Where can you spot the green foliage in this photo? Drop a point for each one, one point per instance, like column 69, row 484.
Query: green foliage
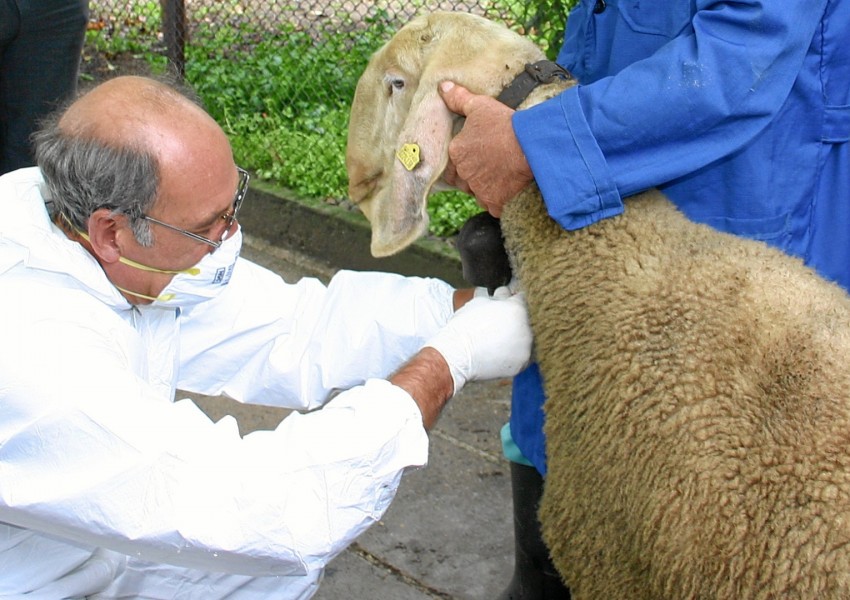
column 284, row 99
column 542, row 20
column 448, row 211
column 135, row 33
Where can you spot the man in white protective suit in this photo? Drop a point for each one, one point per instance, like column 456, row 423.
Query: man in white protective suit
column 120, row 282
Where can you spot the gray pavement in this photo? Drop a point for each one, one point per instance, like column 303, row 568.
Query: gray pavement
column 449, row 532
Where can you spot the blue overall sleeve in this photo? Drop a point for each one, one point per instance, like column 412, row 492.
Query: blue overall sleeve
column 711, row 85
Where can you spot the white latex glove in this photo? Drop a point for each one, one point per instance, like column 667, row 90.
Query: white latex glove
column 500, row 293
column 487, row 338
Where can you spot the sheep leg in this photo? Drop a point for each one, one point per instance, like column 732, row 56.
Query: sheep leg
column 482, row 252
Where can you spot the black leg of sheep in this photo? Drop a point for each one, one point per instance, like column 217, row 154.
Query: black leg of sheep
column 535, row 577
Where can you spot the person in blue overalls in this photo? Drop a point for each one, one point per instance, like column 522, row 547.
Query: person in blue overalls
column 738, row 111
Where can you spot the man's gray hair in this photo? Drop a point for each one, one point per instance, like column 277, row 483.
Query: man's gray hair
column 85, row 174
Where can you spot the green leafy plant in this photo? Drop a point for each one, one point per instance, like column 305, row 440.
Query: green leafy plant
column 542, row 20
column 135, row 33
column 280, row 125
column 448, row 212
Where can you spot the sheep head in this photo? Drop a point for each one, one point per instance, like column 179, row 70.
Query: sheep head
column 399, row 129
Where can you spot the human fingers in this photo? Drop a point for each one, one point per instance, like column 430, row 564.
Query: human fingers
column 488, row 338
column 456, row 97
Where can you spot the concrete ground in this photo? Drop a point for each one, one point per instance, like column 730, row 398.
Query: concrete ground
column 449, row 532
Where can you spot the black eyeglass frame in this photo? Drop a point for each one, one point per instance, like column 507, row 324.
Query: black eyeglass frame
column 230, row 218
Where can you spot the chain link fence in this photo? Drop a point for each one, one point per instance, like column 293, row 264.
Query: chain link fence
column 173, row 25
column 278, row 75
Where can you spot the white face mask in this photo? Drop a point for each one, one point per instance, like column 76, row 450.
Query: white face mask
column 190, row 286
column 198, row 284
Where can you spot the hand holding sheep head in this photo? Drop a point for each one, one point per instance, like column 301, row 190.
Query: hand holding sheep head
column 485, row 158
column 397, row 107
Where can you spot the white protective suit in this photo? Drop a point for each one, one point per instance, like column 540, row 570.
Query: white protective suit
column 109, row 488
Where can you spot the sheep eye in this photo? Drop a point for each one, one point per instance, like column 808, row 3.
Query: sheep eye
column 396, row 85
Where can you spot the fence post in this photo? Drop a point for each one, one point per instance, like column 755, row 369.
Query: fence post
column 174, row 34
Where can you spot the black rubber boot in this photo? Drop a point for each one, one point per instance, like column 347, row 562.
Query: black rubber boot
column 535, row 578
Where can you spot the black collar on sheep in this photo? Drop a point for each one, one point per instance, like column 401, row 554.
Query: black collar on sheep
column 534, row 74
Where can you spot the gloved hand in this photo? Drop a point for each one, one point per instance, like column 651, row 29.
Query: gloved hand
column 487, row 338
column 500, row 293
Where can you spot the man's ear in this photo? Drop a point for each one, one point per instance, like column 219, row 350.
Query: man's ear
column 104, row 229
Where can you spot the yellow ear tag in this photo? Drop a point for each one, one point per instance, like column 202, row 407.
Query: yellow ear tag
column 409, row 156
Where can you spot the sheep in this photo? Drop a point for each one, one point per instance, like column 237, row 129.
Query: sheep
column 698, row 384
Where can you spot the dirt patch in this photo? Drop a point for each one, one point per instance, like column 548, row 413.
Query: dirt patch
column 97, row 67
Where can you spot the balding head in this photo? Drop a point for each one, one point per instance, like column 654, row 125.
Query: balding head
column 136, row 112
column 124, row 142
column 115, row 110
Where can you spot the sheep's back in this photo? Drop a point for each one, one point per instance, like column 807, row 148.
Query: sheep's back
column 697, row 413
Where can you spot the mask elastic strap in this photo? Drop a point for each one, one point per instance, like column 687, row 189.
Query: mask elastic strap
column 132, row 263
column 163, row 298
column 140, row 266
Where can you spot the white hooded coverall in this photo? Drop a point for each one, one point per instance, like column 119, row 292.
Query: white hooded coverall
column 111, row 489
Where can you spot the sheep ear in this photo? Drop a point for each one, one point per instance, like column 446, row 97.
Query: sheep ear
column 421, row 155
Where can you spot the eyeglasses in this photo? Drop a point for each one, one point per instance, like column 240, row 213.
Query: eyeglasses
column 229, row 218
